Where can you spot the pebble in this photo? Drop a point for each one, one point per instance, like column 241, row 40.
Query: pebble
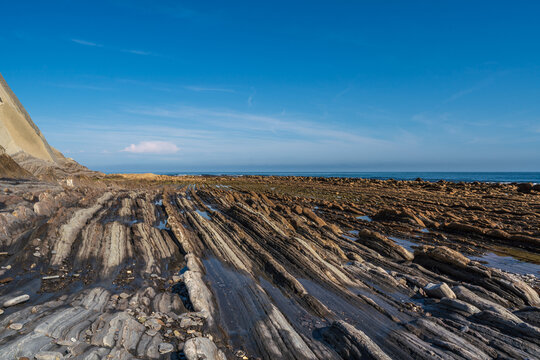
column 37, row 254
column 16, row 326
column 240, row 353
column 165, row 348
column 16, row 300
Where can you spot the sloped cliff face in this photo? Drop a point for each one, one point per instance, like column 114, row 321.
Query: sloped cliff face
column 18, row 133
column 26, row 146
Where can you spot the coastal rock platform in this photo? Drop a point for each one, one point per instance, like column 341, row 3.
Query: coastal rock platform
column 252, row 267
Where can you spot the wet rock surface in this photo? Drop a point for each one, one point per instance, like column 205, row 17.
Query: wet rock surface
column 156, row 267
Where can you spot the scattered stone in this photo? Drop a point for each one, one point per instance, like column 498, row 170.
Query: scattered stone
column 16, row 326
column 50, row 277
column 153, row 323
column 16, row 300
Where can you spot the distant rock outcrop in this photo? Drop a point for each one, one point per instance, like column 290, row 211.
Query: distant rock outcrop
column 25, row 145
column 9, row 168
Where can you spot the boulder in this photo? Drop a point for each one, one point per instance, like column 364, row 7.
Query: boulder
column 49, row 355
column 202, row 348
column 165, row 348
column 439, row 291
column 524, row 188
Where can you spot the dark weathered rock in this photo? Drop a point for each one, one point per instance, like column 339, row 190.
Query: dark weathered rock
column 352, row 343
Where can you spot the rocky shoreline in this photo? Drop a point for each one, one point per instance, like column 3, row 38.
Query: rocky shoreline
column 215, row 267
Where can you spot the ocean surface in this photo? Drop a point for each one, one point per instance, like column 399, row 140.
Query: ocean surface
column 498, row 177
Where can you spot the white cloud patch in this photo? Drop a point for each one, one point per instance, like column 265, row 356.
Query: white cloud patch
column 152, row 147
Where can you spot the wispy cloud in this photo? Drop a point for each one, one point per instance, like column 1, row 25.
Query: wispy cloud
column 129, row 51
column 82, row 87
column 139, row 52
column 152, row 147
column 460, row 94
column 250, row 98
column 262, row 124
column 482, row 84
column 204, row 88
column 86, row 43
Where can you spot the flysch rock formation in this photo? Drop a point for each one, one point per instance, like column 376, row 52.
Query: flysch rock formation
column 249, row 268
column 25, row 144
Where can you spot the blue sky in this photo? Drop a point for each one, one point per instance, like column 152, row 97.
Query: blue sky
column 298, row 86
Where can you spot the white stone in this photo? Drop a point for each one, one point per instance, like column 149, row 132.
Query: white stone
column 16, row 300
column 16, row 326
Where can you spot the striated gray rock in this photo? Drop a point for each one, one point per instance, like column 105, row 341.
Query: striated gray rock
column 459, row 305
column 378, row 242
column 508, row 323
column 352, row 343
